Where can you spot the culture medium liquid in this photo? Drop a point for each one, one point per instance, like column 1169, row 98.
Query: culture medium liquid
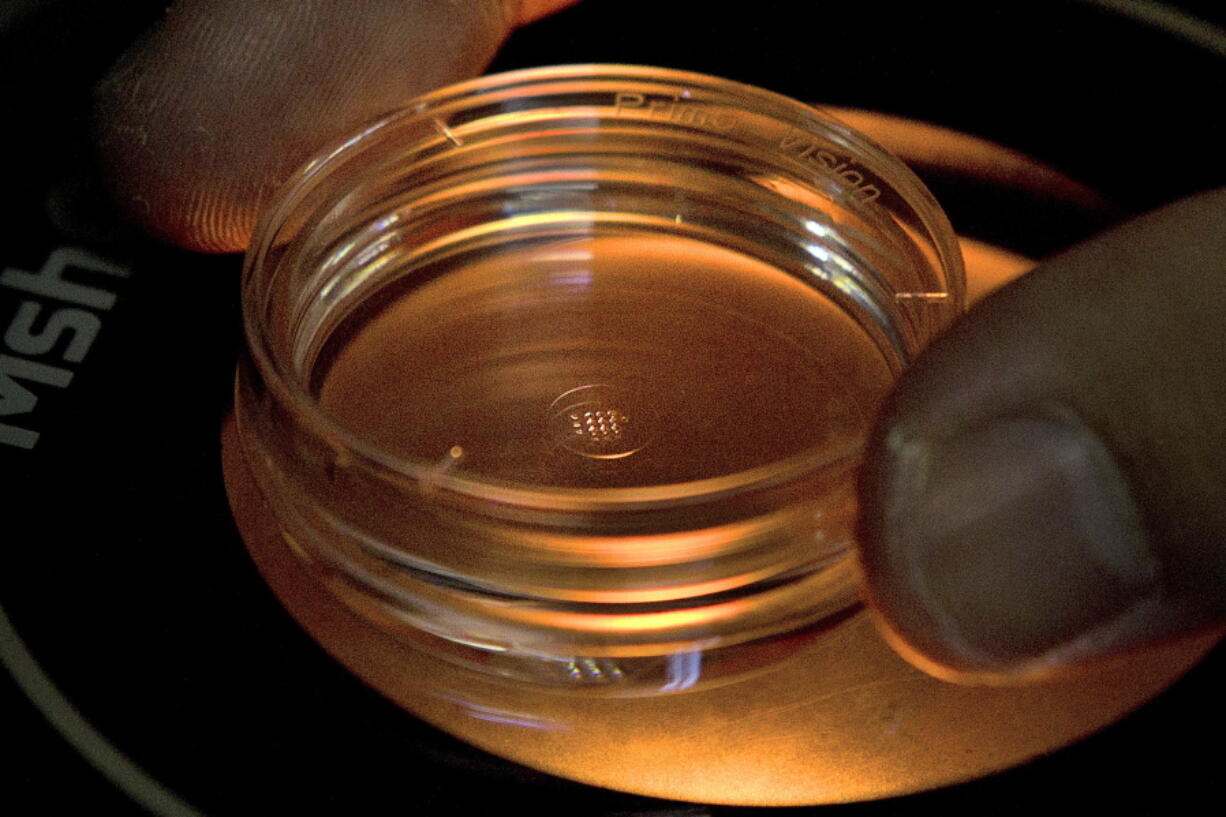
column 605, row 361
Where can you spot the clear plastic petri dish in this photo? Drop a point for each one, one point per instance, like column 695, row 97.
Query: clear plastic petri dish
column 562, row 376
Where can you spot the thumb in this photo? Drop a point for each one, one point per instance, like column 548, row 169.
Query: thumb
column 1047, row 486
column 205, row 117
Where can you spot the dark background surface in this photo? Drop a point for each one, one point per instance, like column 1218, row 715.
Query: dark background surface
column 121, row 570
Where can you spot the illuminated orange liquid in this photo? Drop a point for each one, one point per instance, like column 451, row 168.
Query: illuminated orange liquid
column 603, row 362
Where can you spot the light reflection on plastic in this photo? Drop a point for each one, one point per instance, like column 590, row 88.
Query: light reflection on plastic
column 579, row 258
column 593, row 669
column 684, row 670
column 493, row 715
column 577, row 279
column 817, row 228
column 697, row 617
column 659, row 549
column 689, row 591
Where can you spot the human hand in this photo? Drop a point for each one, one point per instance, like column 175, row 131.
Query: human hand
column 1048, row 484
column 202, row 119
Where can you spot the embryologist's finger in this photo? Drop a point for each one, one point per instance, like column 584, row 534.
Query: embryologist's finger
column 202, row 119
column 1048, row 485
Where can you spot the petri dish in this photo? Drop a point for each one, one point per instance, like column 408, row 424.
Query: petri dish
column 564, row 373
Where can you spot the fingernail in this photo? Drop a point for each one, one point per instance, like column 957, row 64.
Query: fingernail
column 1019, row 541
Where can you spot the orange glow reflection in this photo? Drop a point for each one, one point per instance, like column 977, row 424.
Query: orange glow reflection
column 657, row 549
column 698, row 617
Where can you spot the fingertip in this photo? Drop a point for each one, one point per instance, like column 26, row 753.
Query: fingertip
column 1009, row 550
column 201, row 121
column 1037, row 497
